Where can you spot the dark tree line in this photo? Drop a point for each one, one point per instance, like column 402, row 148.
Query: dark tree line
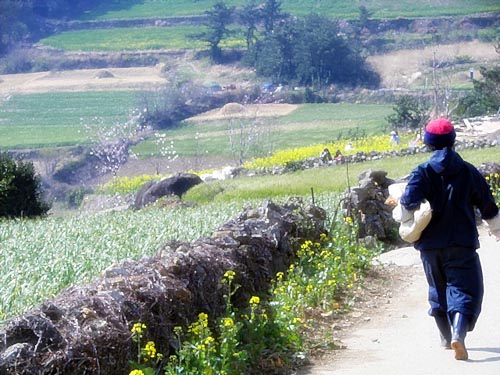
column 311, row 50
column 25, row 20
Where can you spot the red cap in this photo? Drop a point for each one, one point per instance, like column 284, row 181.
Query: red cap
column 440, row 133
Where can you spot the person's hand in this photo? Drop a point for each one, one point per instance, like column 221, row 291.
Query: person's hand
column 494, row 226
column 496, row 235
column 392, row 202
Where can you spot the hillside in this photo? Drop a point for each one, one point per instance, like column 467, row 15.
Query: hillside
column 102, row 65
column 398, row 70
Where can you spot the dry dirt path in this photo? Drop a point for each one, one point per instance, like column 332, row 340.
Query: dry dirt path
column 400, row 338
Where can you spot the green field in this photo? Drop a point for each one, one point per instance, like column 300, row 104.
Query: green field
column 76, row 250
column 334, row 8
column 321, row 180
column 177, row 37
column 309, row 124
column 134, row 39
column 56, row 119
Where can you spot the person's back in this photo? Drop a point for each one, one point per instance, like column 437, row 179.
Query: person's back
column 454, row 189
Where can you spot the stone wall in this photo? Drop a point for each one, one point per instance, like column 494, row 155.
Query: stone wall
column 86, row 329
column 366, row 203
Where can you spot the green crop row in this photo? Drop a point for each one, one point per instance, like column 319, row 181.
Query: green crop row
column 40, row 257
column 132, row 39
column 55, row 119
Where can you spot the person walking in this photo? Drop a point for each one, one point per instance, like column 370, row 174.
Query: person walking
column 455, row 189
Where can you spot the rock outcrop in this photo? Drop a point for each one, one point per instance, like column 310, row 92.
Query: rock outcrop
column 177, row 185
column 366, row 203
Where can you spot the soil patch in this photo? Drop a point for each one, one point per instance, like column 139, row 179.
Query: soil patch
column 82, row 80
column 401, row 68
column 235, row 110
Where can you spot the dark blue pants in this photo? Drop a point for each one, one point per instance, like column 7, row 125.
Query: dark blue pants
column 455, row 281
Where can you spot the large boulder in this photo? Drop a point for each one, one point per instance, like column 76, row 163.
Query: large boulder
column 177, row 185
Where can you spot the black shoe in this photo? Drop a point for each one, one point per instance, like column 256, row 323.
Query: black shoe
column 460, row 329
column 443, row 325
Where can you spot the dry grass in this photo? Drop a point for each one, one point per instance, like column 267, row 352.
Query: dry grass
column 399, row 69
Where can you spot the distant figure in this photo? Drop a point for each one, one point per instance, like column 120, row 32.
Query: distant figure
column 325, row 156
column 414, row 143
column 394, row 138
column 338, row 158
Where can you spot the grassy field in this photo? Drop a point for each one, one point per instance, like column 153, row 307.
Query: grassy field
column 55, row 119
column 132, row 39
column 309, row 124
column 334, row 8
column 177, row 37
column 333, row 179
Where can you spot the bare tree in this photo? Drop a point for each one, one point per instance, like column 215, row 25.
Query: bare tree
column 442, row 94
column 110, row 143
column 249, row 137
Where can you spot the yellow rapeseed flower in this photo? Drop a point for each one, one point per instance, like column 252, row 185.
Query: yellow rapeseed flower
column 229, row 275
column 136, row 372
column 203, row 317
column 195, row 329
column 138, row 328
column 150, row 349
column 254, row 300
column 228, row 322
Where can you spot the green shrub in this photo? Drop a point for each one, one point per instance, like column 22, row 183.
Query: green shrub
column 75, row 197
column 20, row 189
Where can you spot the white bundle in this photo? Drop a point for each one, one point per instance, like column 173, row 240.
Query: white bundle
column 412, row 223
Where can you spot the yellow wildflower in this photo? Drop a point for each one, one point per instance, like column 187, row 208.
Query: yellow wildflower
column 254, row 300
column 150, row 349
column 138, row 328
column 228, row 322
column 203, row 319
column 229, row 275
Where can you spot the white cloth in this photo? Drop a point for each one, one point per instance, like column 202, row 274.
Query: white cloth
column 494, row 225
column 412, row 223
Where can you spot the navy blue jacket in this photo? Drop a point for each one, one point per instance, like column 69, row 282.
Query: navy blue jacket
column 454, row 188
